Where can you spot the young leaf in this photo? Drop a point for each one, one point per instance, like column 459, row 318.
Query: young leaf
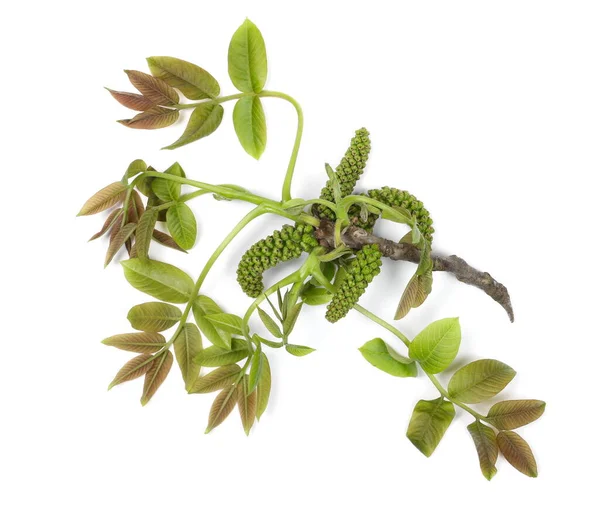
column 133, row 369
column 145, row 229
column 437, row 345
column 263, row 389
column 226, row 322
column 135, row 167
column 265, row 341
column 378, row 354
column 104, row 199
column 158, row 279
column 112, row 218
column 153, row 316
column 155, row 376
column 202, row 307
column 412, row 297
column 270, row 324
column 118, row 240
column 247, row 58
column 222, row 407
column 166, row 240
column 298, row 350
column 247, row 405
column 512, row 414
column 188, row 345
column 157, row 91
column 136, row 342
column 480, row 380
column 255, row 370
column 217, row 379
column 314, row 296
column 484, row 438
column 168, row 190
column 291, row 318
column 428, row 424
column 205, row 120
column 250, row 125
column 181, row 223
column 516, row 451
column 216, row 357
column 132, row 101
column 154, row 118
column 193, row 81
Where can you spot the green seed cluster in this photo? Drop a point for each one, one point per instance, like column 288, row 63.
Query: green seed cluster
column 361, row 272
column 348, row 171
column 285, row 244
column 395, row 197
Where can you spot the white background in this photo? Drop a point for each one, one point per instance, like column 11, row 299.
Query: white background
column 487, row 111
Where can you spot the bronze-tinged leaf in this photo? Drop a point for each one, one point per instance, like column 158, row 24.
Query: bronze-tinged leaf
column 222, row 407
column 156, row 375
column 128, row 246
column 193, row 81
column 121, row 236
column 144, row 232
column 153, row 316
column 414, row 295
column 136, row 342
column 104, row 199
column 157, row 91
column 112, row 218
column 133, row 251
column 138, row 203
column 154, row 118
column 133, row 369
column 512, row 414
column 263, row 389
column 132, row 101
column 246, row 405
column 516, row 451
column 166, row 240
column 218, row 379
column 187, row 346
column 484, row 438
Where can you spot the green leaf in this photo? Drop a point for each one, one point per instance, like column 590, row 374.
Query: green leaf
column 154, row 118
column 291, row 318
column 181, row 223
column 298, row 350
column 156, row 375
column 516, row 451
column 222, row 407
column 145, row 229
column 274, row 345
column 512, row 414
column 250, row 125
column 216, row 357
column 193, row 81
column 479, row 381
column 333, row 183
column 314, row 296
column 168, row 190
column 202, row 307
column 263, row 389
column 104, row 199
column 157, row 91
column 255, row 370
column 153, row 316
column 217, row 379
column 428, row 424
column 133, row 369
column 205, row 120
column 188, row 344
column 484, row 438
column 135, row 167
column 246, row 404
column 158, row 279
column 377, row 352
column 247, row 58
column 437, row 345
column 270, row 324
column 116, row 242
column 226, row 322
column 136, row 342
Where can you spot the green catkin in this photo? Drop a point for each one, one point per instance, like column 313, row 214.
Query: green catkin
column 395, row 197
column 348, row 171
column 285, row 244
column 359, row 274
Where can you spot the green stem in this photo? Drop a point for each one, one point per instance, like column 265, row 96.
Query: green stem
column 394, row 213
column 383, row 324
column 182, row 198
column 217, row 100
column 287, row 182
column 445, row 394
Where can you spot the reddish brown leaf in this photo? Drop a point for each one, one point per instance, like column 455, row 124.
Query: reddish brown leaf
column 154, row 118
column 516, row 451
column 157, row 91
column 136, row 342
column 132, row 101
column 156, row 375
column 222, row 407
column 247, row 405
column 121, row 236
column 133, row 369
column 166, row 240
column 139, row 204
column 104, row 199
column 133, row 253
column 112, row 218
